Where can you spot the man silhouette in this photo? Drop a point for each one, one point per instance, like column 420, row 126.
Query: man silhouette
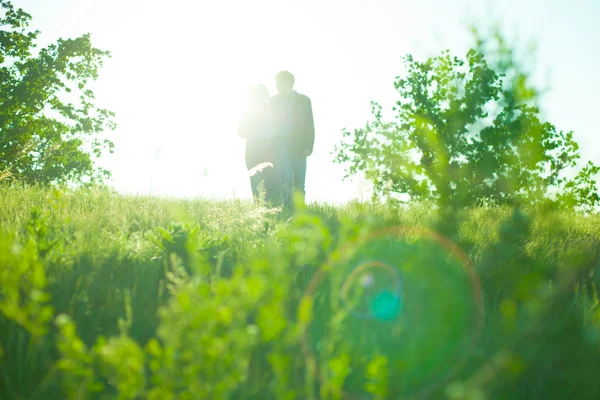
column 293, row 121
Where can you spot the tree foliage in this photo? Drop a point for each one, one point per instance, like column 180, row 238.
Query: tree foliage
column 468, row 132
column 49, row 124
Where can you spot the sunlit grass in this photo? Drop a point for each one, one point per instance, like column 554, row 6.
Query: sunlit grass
column 170, row 279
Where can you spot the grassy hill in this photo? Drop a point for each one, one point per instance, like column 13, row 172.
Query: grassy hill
column 108, row 296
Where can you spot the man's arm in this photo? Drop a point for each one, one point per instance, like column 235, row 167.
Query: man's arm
column 309, row 129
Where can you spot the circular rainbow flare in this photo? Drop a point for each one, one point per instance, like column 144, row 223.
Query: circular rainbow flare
column 403, row 306
column 385, row 305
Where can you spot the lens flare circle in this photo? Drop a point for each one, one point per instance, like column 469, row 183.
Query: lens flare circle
column 388, row 304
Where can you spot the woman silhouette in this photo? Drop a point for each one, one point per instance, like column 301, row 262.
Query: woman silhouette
column 261, row 146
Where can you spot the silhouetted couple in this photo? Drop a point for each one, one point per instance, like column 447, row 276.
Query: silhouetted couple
column 280, row 134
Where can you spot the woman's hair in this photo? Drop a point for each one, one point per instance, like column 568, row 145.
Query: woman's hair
column 258, row 95
column 254, row 112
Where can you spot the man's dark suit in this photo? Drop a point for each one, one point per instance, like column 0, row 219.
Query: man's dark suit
column 293, row 120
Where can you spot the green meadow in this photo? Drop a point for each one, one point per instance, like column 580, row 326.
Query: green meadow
column 108, row 296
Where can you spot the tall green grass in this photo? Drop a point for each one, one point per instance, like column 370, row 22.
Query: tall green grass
column 110, row 296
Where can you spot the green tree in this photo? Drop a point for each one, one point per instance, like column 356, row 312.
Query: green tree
column 49, row 126
column 467, row 132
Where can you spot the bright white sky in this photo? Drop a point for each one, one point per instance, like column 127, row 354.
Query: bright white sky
column 181, row 68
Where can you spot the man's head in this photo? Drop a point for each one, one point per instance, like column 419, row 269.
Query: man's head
column 285, row 82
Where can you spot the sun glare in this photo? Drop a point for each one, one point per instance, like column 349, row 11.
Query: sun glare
column 193, row 89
